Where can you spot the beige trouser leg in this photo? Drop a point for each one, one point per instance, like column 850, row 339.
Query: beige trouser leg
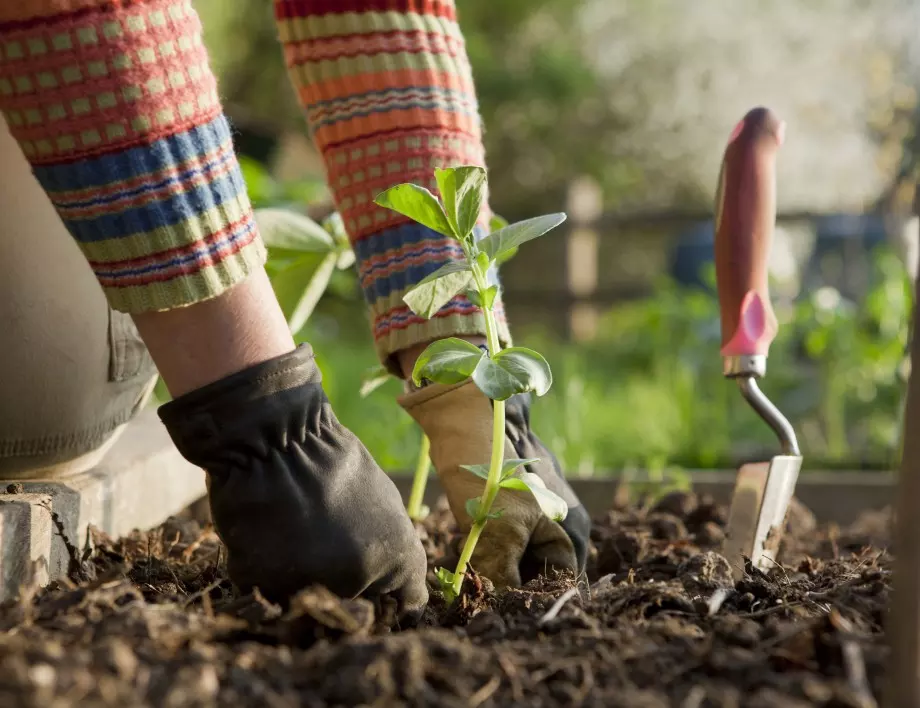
column 72, row 371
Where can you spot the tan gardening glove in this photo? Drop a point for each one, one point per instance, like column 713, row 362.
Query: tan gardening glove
column 523, row 542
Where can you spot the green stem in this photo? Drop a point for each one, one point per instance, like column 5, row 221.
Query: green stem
column 313, row 292
column 495, row 465
column 419, row 481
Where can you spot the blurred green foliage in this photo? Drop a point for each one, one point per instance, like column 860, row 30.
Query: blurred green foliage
column 648, row 392
column 542, row 103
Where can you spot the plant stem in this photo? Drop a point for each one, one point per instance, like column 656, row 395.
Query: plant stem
column 419, row 481
column 498, row 452
column 313, row 292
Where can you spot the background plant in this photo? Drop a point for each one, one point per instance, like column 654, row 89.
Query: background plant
column 647, row 392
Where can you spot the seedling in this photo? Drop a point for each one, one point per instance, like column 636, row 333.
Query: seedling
column 499, row 373
column 298, row 241
column 377, row 376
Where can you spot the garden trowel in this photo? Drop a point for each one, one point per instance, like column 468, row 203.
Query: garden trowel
column 745, row 219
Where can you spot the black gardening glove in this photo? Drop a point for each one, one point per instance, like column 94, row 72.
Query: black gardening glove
column 295, row 497
column 523, row 542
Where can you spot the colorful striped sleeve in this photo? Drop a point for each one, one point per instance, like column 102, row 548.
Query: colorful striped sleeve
column 389, row 96
column 115, row 106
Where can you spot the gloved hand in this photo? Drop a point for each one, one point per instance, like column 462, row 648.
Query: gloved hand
column 523, row 542
column 295, row 496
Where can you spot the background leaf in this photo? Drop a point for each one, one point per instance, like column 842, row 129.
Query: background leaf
column 497, row 222
column 373, row 378
column 290, row 231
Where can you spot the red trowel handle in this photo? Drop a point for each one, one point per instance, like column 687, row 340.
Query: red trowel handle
column 745, row 219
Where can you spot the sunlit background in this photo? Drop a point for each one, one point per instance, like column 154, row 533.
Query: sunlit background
column 617, row 111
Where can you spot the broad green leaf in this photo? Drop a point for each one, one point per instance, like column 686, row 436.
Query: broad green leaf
column 373, row 378
column 478, row 470
column 445, row 270
column 509, row 466
column 418, row 204
column 495, row 382
column 497, row 222
column 527, row 366
column 551, row 504
column 260, row 186
column 463, row 192
column 429, row 296
column 505, row 256
column 512, row 371
column 447, row 361
column 497, row 243
column 288, row 230
column 289, row 277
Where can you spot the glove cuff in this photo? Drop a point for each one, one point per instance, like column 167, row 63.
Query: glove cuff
column 276, row 397
column 436, row 407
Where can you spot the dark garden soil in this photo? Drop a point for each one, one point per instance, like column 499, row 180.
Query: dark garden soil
column 151, row 620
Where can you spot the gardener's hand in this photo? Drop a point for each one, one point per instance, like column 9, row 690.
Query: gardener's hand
column 294, row 495
column 522, row 542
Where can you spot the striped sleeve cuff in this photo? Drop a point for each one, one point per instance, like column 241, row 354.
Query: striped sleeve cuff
column 389, row 96
column 115, row 106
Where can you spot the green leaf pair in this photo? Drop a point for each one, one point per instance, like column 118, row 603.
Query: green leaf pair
column 509, row 372
column 463, row 191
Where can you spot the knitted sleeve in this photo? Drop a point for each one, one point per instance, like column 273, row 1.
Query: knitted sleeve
column 388, row 94
column 114, row 104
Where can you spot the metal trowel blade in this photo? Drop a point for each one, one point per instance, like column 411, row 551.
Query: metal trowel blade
column 757, row 516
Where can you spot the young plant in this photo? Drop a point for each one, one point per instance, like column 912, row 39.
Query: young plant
column 377, row 376
column 500, row 372
column 301, row 246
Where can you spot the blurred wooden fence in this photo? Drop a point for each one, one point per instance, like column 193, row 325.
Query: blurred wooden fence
column 564, row 283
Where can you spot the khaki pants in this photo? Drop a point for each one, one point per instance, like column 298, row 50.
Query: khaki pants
column 72, row 371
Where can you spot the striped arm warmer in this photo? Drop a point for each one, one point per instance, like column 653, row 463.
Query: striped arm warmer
column 115, row 106
column 389, row 96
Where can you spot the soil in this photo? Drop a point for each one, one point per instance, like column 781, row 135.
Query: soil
column 151, row 620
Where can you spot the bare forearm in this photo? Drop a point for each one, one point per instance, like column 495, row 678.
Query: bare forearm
column 197, row 345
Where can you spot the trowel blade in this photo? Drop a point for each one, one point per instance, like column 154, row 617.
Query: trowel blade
column 756, row 519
